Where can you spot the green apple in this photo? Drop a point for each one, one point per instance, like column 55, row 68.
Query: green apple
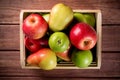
column 59, row 42
column 79, row 17
column 88, row 18
column 60, row 16
column 82, row 59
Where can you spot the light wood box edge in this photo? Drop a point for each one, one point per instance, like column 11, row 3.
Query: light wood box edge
column 96, row 65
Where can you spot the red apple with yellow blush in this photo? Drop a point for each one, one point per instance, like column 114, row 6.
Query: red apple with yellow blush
column 83, row 36
column 35, row 26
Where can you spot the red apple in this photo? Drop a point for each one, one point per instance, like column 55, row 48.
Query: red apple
column 43, row 42
column 83, row 36
column 34, row 45
column 64, row 55
column 35, row 26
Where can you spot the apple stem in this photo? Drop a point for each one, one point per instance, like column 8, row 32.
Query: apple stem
column 86, row 43
column 33, row 20
column 59, row 41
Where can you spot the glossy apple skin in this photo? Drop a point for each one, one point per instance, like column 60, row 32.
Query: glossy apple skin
column 60, row 17
column 35, row 26
column 45, row 58
column 34, row 45
column 31, row 44
column 43, row 42
column 88, row 18
column 59, row 42
column 83, row 36
column 82, row 59
column 64, row 55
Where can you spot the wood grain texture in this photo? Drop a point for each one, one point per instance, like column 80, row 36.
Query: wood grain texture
column 10, row 38
column 44, row 78
column 110, row 38
column 9, row 9
column 10, row 66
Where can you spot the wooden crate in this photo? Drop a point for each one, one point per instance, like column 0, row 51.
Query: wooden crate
column 64, row 65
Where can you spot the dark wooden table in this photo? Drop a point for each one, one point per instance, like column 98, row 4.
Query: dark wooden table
column 10, row 42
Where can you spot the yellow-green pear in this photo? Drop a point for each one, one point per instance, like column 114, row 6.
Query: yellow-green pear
column 60, row 17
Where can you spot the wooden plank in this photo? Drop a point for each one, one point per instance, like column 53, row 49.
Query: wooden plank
column 10, row 66
column 44, row 78
column 110, row 38
column 9, row 10
column 9, row 38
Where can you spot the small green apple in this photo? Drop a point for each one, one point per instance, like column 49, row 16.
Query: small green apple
column 59, row 42
column 88, row 18
column 79, row 17
column 82, row 59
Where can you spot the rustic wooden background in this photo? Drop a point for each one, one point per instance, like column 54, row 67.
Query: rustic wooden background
column 10, row 68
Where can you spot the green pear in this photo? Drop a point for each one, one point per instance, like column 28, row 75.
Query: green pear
column 88, row 18
column 60, row 16
column 45, row 58
column 48, row 59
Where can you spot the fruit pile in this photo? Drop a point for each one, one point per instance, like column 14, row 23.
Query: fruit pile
column 61, row 35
